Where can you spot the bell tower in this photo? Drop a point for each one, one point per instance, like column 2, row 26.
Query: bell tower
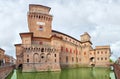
column 39, row 20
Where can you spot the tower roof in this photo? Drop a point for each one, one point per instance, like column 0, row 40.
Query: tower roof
column 2, row 49
column 85, row 33
column 39, row 8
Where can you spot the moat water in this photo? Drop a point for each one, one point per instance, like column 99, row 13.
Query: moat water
column 77, row 73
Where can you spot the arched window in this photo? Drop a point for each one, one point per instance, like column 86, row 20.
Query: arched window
column 27, row 60
column 43, row 58
column 36, row 58
column 49, row 58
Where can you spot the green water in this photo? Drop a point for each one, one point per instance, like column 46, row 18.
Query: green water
column 77, row 73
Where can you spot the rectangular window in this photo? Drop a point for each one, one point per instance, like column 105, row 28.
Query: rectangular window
column 101, row 58
column 27, row 60
column 98, row 52
column 61, row 48
column 72, row 59
column 101, row 52
column 77, row 60
column 60, row 58
column 55, row 55
column 55, row 60
column 41, row 28
column 97, row 58
column 66, row 59
column 105, row 52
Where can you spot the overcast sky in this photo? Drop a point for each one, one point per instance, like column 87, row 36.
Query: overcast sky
column 100, row 18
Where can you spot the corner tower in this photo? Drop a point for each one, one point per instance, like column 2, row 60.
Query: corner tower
column 39, row 20
column 86, row 47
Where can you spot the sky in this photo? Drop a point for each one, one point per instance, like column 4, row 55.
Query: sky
column 100, row 18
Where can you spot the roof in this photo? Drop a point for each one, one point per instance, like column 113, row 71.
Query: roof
column 65, row 35
column 85, row 33
column 87, row 41
column 26, row 33
column 103, row 47
column 17, row 44
column 2, row 49
column 40, row 5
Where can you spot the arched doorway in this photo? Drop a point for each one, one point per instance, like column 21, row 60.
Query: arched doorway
column 36, row 58
column 20, row 66
column 92, row 60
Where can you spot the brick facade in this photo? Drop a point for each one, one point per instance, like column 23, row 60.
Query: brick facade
column 44, row 49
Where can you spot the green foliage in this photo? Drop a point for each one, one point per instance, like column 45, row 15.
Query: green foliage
column 111, row 61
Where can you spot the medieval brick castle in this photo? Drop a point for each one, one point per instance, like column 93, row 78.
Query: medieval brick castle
column 44, row 49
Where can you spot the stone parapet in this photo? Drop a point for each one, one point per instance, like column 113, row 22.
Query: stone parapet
column 117, row 70
column 5, row 71
column 38, row 67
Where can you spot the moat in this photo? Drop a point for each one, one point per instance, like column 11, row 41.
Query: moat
column 77, row 73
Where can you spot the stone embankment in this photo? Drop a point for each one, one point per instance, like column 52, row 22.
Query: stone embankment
column 117, row 70
column 5, row 71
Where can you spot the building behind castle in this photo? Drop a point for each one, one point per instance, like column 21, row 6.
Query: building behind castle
column 44, row 49
column 6, row 60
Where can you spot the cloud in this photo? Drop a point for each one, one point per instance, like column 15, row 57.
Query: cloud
column 100, row 18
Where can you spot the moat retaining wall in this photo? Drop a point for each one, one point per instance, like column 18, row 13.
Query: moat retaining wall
column 5, row 71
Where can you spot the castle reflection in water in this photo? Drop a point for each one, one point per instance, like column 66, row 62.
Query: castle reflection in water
column 77, row 73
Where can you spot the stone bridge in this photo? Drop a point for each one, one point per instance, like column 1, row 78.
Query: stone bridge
column 117, row 70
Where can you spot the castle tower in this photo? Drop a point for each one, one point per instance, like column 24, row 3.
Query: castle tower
column 39, row 20
column 86, row 47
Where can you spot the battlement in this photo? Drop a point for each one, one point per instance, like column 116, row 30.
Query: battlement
column 102, row 47
column 39, row 8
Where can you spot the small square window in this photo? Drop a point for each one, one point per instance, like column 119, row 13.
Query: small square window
column 41, row 28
